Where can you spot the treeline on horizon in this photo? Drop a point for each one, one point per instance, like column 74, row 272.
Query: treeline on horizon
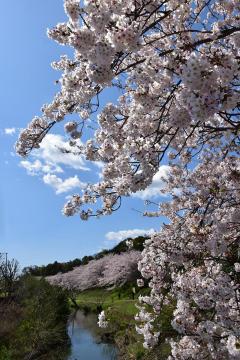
column 63, row 267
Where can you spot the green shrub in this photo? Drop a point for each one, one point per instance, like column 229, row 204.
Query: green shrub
column 5, row 354
column 41, row 325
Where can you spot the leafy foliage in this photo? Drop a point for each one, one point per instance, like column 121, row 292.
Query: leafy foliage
column 39, row 326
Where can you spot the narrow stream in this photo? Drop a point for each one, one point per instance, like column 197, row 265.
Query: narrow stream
column 86, row 340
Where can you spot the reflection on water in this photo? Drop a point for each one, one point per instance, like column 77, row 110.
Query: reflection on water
column 85, row 338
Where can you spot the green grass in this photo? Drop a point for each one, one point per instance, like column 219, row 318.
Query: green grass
column 119, row 298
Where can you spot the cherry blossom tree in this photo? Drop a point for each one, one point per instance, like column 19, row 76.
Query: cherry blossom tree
column 194, row 259
column 110, row 270
column 175, row 65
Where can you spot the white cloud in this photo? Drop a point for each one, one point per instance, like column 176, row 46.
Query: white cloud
column 124, row 234
column 55, row 152
column 99, row 164
column 36, row 167
column 62, row 186
column 154, row 190
column 10, row 131
column 51, row 151
column 100, row 175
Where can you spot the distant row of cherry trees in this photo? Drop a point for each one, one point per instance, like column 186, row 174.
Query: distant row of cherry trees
column 63, row 267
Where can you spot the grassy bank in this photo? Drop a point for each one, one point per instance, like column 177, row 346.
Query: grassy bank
column 123, row 297
column 120, row 308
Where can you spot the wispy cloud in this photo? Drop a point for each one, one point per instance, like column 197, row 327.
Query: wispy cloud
column 37, row 166
column 62, row 186
column 50, row 159
column 10, row 131
column 55, row 150
column 154, row 190
column 124, row 234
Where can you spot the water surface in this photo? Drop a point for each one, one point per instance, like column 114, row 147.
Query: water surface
column 86, row 343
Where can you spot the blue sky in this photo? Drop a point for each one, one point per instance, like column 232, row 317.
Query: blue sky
column 32, row 228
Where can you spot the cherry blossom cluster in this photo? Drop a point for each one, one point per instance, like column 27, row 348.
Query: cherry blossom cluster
column 174, row 66
column 102, row 322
